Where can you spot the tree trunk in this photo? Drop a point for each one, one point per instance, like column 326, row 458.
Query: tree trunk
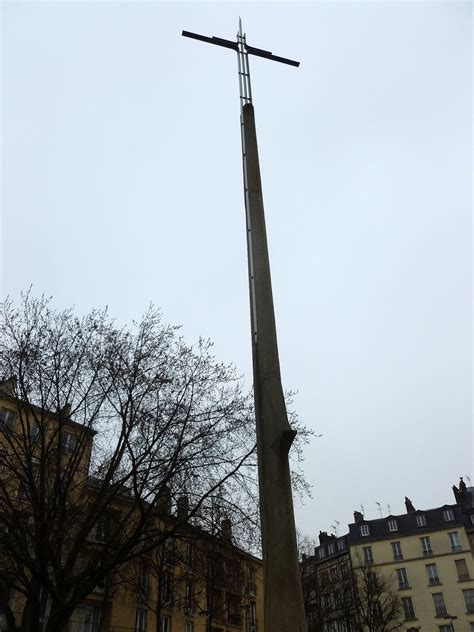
column 5, row 610
column 30, row 620
column 9, row 617
column 58, row 618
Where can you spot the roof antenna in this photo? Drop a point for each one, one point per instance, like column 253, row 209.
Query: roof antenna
column 380, row 507
column 389, row 510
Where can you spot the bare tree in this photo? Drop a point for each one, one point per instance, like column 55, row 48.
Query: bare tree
column 305, row 544
column 375, row 600
column 338, row 596
column 97, row 423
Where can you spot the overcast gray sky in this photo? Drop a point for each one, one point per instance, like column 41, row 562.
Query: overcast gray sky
column 122, row 184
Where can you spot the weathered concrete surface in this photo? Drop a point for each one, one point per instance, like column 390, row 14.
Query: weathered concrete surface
column 283, row 599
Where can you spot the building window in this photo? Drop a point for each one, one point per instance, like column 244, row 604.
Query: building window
column 447, row 628
column 252, row 582
column 68, row 442
column 165, row 623
column 189, row 596
column 233, row 610
column 31, row 479
column 140, row 621
column 166, row 588
column 462, row 570
column 392, row 525
column 408, row 609
column 420, row 520
column 321, row 552
column 364, row 529
column 34, row 432
column 432, row 574
column 341, row 545
column 469, row 600
column 426, row 546
column 454, row 541
column 103, row 528
column 7, row 419
column 472, row 518
column 168, row 551
column 3, row 461
column 439, row 604
column 472, row 626
column 331, row 548
column 402, row 578
column 253, row 613
column 397, row 551
column 448, row 515
column 368, row 557
column 189, row 554
column 334, row 573
column 100, row 586
column 188, row 626
column 142, row 581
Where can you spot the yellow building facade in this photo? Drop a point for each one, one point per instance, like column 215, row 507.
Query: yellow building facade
column 194, row 582
column 428, row 558
column 414, row 571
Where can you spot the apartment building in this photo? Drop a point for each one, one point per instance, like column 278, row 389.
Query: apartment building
column 423, row 556
column 194, row 581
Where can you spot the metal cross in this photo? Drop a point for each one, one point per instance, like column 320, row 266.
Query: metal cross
column 243, row 51
column 283, row 595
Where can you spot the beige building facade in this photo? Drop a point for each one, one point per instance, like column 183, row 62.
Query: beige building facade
column 425, row 557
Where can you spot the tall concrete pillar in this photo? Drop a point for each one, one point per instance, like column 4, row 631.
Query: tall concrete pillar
column 283, row 599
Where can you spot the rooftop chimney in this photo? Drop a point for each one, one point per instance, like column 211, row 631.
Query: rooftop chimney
column 182, row 508
column 358, row 517
column 324, row 537
column 226, row 529
column 409, row 505
column 163, row 503
column 65, row 411
column 9, row 385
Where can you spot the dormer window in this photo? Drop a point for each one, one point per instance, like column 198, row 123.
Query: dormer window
column 364, row 530
column 421, row 520
column 68, row 442
column 7, row 418
column 392, row 526
column 321, row 552
column 35, row 432
column 331, row 548
column 341, row 545
column 448, row 515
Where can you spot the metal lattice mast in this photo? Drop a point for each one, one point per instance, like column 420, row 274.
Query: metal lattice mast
column 283, row 594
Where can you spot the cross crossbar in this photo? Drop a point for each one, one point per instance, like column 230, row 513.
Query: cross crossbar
column 251, row 50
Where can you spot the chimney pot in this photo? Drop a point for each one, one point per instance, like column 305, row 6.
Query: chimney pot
column 226, row 529
column 9, row 385
column 182, row 507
